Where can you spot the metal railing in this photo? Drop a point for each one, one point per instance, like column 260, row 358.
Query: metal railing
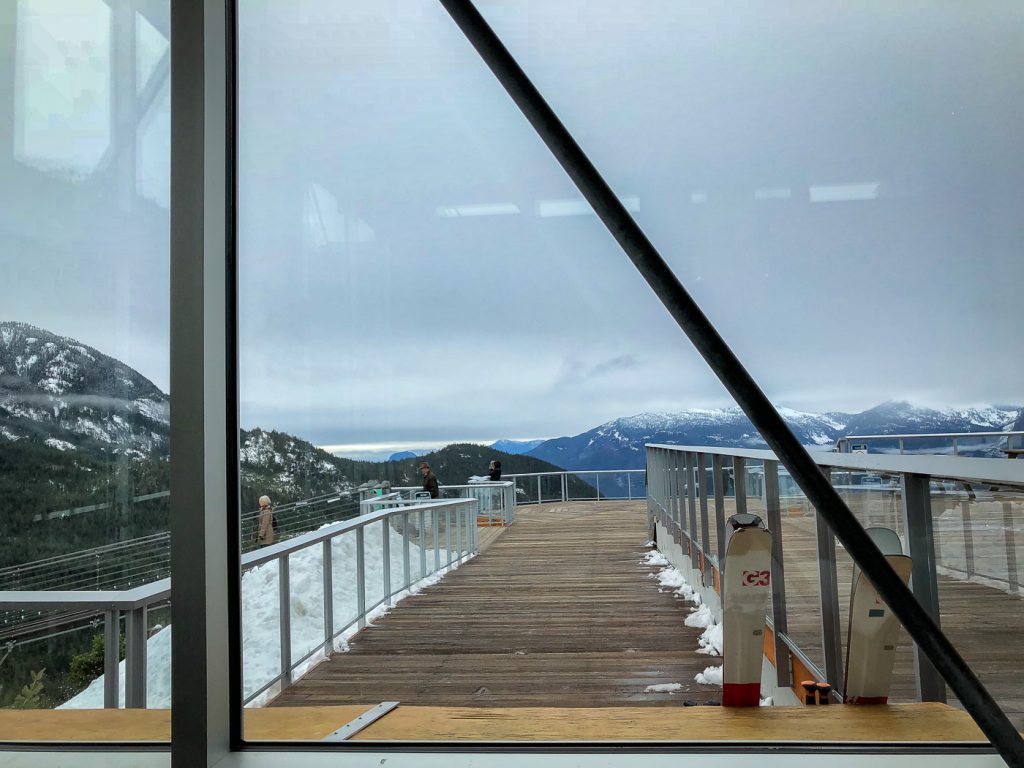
column 442, row 532
column 570, row 485
column 693, row 489
column 497, row 498
column 1014, row 441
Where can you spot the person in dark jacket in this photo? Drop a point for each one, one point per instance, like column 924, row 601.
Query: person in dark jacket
column 429, row 481
column 494, row 470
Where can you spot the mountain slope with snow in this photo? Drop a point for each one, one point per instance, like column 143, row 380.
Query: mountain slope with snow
column 619, row 444
column 69, row 396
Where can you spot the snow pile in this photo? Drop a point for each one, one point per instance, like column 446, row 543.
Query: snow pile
column 261, row 643
column 663, row 688
column 654, row 558
column 710, row 676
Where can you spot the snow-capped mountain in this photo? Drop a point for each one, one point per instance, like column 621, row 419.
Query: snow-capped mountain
column 619, row 444
column 515, row 447
column 57, row 391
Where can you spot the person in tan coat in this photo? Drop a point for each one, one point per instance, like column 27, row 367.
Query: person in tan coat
column 265, row 529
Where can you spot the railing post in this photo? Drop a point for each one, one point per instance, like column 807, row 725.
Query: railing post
column 423, row 544
column 565, row 487
column 135, row 658
column 284, row 607
column 828, row 591
column 328, row 568
column 458, row 534
column 538, row 490
column 965, row 509
column 739, row 483
column 111, row 658
column 406, row 570
column 386, row 547
column 361, row 576
column 691, row 509
column 702, row 497
column 917, row 511
column 718, row 470
column 597, row 484
column 437, row 541
column 771, row 493
column 629, row 486
column 1012, row 577
column 448, row 533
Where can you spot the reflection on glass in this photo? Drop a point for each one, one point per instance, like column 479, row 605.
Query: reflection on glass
column 84, row 405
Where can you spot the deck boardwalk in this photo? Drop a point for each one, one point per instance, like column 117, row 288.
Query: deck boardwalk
column 559, row 611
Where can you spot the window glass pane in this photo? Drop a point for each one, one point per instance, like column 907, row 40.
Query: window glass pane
column 419, row 278
column 84, row 368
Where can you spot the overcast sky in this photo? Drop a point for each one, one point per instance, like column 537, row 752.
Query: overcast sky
column 839, row 185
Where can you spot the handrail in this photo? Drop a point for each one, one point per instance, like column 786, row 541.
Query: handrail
column 563, row 493
column 843, row 443
column 995, row 471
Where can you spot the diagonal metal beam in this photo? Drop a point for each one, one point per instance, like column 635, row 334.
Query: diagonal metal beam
column 684, row 310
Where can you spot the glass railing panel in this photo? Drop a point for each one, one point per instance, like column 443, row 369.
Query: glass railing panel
column 261, row 629
column 373, row 560
column 345, row 578
column 800, row 560
column 581, row 486
column 978, row 529
column 306, row 598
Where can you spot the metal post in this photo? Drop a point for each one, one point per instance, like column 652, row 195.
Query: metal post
column 956, row 449
column 1012, row 578
column 406, row 570
column 111, row 659
column 448, row 534
column 386, row 546
column 828, row 591
column 739, row 483
column 538, row 490
column 691, row 509
column 901, row 445
column 361, row 576
column 917, row 512
column 135, row 658
column 629, row 486
column 437, row 540
column 565, row 487
column 965, row 509
column 284, row 608
column 702, row 496
column 423, row 547
column 718, row 470
column 771, row 493
column 597, row 484
column 328, row 569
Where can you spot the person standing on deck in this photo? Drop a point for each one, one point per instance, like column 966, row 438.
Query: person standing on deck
column 494, row 470
column 265, row 529
column 429, row 481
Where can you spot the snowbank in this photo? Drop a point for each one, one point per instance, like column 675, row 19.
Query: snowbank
column 261, row 643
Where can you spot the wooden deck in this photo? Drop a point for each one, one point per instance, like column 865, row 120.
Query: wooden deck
column 557, row 612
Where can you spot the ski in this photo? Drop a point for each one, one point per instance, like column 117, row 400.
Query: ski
column 746, row 584
column 873, row 628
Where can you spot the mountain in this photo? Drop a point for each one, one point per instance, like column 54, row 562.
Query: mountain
column 402, row 455
column 619, row 444
column 64, row 394
column 515, row 447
